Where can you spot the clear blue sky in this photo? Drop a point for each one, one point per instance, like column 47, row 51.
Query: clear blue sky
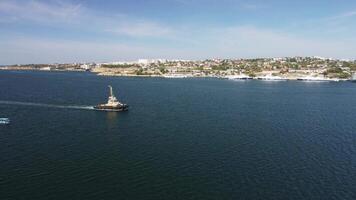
column 35, row 31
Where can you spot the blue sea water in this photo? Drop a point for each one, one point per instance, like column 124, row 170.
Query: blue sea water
column 181, row 138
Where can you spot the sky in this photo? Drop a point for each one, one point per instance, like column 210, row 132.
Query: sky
column 65, row 31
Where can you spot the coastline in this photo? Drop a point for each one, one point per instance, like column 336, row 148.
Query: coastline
column 294, row 77
column 264, row 69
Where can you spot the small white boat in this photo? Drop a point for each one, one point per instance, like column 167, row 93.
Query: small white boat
column 4, row 121
column 239, row 77
column 317, row 79
column 175, row 76
column 270, row 77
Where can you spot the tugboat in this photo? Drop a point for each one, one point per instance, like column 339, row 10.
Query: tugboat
column 112, row 105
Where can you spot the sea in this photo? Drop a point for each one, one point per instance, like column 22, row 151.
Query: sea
column 192, row 138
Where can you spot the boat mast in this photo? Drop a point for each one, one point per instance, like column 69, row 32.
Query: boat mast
column 111, row 92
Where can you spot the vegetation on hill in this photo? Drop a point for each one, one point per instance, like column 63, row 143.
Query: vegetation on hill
column 119, row 65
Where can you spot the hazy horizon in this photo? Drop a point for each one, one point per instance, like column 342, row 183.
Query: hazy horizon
column 67, row 31
column 130, row 61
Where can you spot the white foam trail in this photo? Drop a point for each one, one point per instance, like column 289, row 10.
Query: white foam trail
column 18, row 103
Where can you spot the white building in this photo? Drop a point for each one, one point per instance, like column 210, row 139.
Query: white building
column 85, row 66
column 143, row 61
column 150, row 61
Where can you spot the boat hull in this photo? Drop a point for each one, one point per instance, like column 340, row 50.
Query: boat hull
column 111, row 108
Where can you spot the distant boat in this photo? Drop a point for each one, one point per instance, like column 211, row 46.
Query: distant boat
column 239, row 77
column 175, row 76
column 112, row 105
column 317, row 79
column 270, row 77
column 4, row 121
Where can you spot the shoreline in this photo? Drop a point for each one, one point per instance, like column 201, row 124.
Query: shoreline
column 180, row 76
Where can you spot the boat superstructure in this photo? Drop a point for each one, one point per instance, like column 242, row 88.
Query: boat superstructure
column 113, row 104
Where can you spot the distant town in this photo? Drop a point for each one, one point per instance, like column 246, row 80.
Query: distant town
column 289, row 68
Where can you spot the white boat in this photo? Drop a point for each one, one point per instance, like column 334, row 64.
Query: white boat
column 45, row 69
column 238, row 77
column 175, row 76
column 317, row 79
column 270, row 77
column 4, row 121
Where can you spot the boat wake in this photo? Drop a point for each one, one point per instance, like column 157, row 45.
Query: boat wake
column 17, row 103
